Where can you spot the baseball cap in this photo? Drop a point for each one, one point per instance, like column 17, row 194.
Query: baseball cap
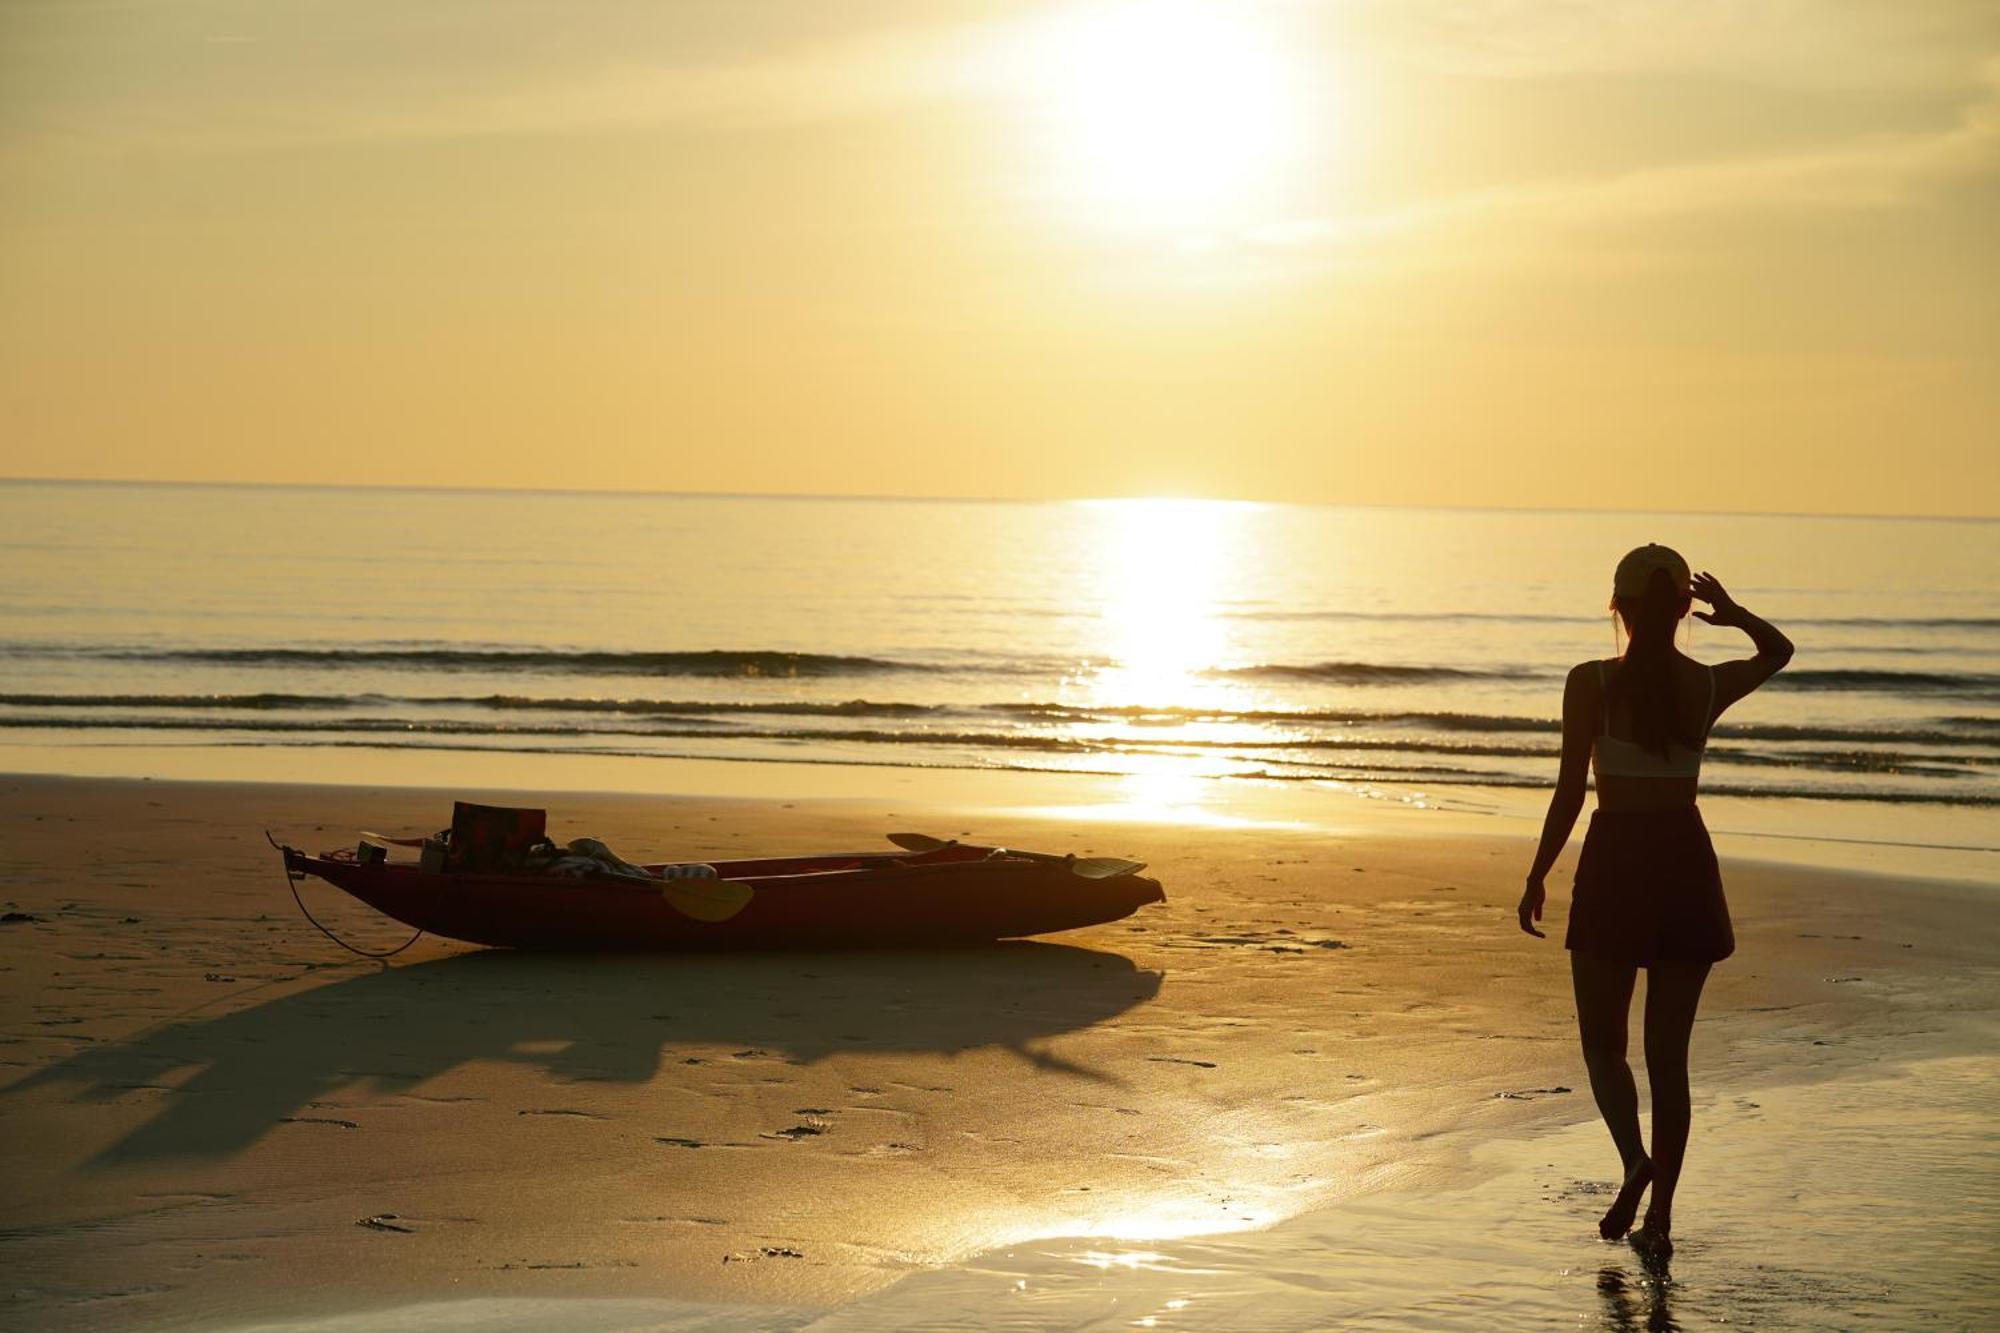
column 1635, row 571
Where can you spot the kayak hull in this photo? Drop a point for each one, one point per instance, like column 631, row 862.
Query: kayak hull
column 957, row 897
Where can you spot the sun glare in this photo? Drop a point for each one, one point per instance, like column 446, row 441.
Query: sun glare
column 1176, row 113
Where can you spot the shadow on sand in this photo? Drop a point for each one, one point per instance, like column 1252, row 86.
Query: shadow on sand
column 584, row 1017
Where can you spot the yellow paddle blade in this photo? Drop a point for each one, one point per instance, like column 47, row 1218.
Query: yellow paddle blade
column 707, row 899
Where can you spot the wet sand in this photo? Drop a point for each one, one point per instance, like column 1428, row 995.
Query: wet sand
column 1328, row 1070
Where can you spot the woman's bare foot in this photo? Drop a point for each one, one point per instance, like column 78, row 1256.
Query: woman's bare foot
column 1618, row 1220
column 1654, row 1241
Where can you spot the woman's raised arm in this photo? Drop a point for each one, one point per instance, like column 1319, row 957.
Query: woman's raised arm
column 1735, row 679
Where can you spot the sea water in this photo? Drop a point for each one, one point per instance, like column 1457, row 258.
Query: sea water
column 1414, row 654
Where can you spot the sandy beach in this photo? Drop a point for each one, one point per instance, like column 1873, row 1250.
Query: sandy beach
column 1305, row 448
column 1325, row 1067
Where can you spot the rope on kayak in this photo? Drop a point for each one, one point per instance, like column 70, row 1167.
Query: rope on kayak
column 292, row 883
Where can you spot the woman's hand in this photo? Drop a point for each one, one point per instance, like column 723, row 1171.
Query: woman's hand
column 1723, row 608
column 1532, row 898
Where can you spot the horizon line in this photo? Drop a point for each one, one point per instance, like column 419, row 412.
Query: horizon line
column 879, row 498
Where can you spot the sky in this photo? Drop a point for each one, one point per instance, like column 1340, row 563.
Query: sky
column 1700, row 254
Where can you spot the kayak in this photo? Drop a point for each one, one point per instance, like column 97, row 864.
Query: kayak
column 955, row 894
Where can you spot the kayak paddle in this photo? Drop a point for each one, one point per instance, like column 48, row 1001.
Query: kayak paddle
column 1087, row 867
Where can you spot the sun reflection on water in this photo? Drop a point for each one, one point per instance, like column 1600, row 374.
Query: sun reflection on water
column 1164, row 793
column 1162, row 568
column 1160, row 574
column 1120, row 1259
column 1167, row 1220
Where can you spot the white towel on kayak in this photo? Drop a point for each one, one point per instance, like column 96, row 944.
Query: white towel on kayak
column 588, row 856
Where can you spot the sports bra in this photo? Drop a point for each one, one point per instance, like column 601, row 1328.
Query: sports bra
column 1616, row 757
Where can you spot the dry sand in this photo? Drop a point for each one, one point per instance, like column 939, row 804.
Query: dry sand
column 212, row 1116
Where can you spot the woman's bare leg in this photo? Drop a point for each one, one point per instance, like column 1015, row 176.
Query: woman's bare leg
column 1603, row 1006
column 1673, row 990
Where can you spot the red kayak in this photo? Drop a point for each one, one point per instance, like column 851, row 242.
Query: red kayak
column 952, row 894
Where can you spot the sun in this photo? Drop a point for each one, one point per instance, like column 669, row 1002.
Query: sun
column 1170, row 113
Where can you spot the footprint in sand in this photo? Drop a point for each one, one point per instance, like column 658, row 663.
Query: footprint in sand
column 1282, row 941
column 810, row 1128
column 385, row 1222
column 763, row 1252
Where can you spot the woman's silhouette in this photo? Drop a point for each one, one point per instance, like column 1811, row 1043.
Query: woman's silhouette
column 1647, row 890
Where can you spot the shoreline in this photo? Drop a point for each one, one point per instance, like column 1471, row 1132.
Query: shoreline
column 1771, row 831
column 1311, row 1019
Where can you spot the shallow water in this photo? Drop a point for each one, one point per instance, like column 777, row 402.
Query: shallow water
column 1859, row 1205
column 1394, row 650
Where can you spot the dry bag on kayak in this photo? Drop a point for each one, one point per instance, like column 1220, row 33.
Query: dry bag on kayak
column 493, row 838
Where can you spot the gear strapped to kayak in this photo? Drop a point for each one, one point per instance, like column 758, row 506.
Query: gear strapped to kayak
column 496, row 878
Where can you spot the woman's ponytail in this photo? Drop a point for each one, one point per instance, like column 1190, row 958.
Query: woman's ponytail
column 1646, row 680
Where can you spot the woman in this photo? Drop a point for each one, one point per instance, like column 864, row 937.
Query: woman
column 1647, row 891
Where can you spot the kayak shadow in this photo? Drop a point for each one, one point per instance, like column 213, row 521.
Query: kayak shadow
column 611, row 1018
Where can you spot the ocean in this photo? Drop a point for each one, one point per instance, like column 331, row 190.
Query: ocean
column 1407, row 654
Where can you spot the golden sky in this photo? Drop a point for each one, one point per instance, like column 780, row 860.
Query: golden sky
column 1702, row 254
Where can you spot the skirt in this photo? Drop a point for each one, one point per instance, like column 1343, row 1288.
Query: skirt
column 1648, row 890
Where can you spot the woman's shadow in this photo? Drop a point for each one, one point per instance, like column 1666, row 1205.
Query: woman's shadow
column 584, row 1017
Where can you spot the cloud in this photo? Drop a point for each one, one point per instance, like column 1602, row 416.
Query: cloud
column 869, row 73
column 238, row 93
column 1878, row 171
column 1826, row 43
